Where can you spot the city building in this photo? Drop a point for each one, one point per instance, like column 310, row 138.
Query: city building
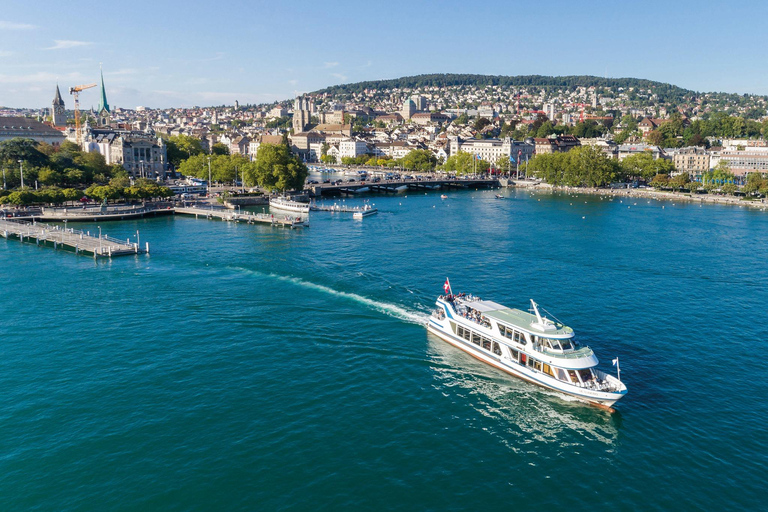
column 692, row 160
column 626, row 150
column 493, row 150
column 27, row 128
column 409, row 108
column 142, row 153
column 744, row 161
column 352, row 148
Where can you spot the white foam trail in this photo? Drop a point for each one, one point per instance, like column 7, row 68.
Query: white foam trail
column 389, row 309
column 383, row 307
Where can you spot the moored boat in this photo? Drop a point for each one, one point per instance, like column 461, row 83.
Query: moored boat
column 367, row 211
column 526, row 345
column 283, row 203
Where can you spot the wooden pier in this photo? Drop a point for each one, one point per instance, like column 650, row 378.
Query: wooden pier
column 287, row 221
column 75, row 240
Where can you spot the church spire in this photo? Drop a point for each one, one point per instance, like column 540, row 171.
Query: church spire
column 103, row 105
column 57, row 99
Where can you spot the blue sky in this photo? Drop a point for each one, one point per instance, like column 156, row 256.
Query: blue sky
column 163, row 53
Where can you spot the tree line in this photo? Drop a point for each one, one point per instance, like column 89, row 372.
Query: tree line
column 55, row 175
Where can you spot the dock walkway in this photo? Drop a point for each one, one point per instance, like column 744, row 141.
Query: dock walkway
column 288, row 221
column 339, row 208
column 102, row 246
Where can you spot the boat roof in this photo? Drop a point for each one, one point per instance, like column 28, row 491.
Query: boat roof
column 522, row 319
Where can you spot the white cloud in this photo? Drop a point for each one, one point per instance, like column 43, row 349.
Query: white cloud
column 9, row 25
column 5, row 53
column 63, row 44
column 341, row 77
column 42, row 78
column 330, row 64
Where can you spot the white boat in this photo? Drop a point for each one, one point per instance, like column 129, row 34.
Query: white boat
column 525, row 345
column 283, row 203
column 367, row 211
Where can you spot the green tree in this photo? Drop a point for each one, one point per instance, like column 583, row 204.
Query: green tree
column 462, row 120
column 72, row 194
column 420, row 160
column 655, row 137
column 13, row 150
column 181, row 147
column 277, row 168
column 460, row 163
column 219, row 149
column 643, row 165
column 660, row 181
column 754, row 183
column 50, row 177
column 680, row 181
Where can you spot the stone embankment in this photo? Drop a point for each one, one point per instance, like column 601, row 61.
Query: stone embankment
column 669, row 196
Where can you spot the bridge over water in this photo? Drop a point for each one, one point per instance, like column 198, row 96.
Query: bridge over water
column 395, row 186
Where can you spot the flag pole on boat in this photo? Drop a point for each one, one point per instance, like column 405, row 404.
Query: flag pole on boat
column 618, row 368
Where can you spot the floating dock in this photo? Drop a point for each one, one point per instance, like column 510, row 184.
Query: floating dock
column 74, row 240
column 287, row 221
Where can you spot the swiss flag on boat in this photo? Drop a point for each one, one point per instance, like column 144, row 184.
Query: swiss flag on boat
column 447, row 286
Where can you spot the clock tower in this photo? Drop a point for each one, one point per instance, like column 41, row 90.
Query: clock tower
column 58, row 113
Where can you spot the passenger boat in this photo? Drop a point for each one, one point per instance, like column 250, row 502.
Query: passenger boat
column 526, row 345
column 367, row 211
column 283, row 203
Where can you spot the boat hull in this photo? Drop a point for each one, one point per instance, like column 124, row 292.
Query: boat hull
column 601, row 398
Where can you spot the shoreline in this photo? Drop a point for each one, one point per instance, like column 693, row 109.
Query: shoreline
column 657, row 194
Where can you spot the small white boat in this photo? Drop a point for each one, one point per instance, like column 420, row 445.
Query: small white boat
column 367, row 211
column 528, row 346
column 443, row 196
column 283, row 203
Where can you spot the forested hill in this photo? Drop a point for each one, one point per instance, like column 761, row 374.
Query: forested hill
column 449, row 79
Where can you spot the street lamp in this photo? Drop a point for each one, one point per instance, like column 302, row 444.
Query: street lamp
column 99, row 238
column 209, row 177
column 21, row 173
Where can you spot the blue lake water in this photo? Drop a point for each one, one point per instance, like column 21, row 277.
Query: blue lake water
column 242, row 367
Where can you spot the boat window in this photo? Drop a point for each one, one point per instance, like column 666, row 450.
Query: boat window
column 476, row 338
column 572, row 375
column 486, row 344
column 537, row 365
column 561, row 375
column 566, row 344
column 547, row 369
column 515, row 354
column 518, row 337
column 453, row 326
column 585, row 374
column 496, row 349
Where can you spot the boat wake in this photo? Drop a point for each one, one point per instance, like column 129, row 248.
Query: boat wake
column 393, row 310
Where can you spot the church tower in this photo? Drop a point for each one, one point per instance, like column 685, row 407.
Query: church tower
column 301, row 114
column 58, row 114
column 103, row 113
